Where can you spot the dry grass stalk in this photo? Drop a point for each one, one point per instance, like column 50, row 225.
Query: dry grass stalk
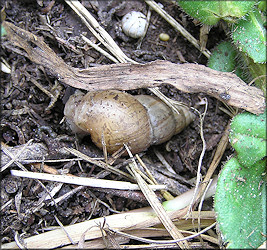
column 83, row 181
column 156, row 205
column 135, row 219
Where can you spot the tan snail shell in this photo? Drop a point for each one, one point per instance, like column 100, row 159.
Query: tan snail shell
column 114, row 117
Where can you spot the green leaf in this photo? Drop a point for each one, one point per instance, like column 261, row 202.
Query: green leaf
column 249, row 149
column 250, row 124
column 240, row 204
column 262, row 5
column 249, row 36
column 223, row 57
column 257, row 71
column 210, row 12
column 248, row 137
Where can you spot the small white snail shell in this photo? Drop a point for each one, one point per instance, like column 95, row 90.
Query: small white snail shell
column 115, row 117
column 134, row 24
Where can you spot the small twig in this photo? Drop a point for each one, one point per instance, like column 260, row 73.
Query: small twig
column 63, row 228
column 201, row 203
column 18, row 200
column 98, row 31
column 165, row 193
column 102, row 202
column 202, row 116
column 48, row 93
column 19, row 241
column 146, row 27
column 164, row 162
column 67, row 195
column 171, row 103
column 216, row 159
column 96, row 47
column 13, row 158
column 25, row 171
column 164, row 241
column 156, row 205
column 255, row 79
column 91, row 182
column 99, row 163
column 6, row 204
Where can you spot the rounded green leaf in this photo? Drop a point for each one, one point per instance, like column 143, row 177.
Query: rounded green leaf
column 249, row 149
column 249, row 35
column 250, row 124
column 223, row 57
column 240, row 204
column 248, row 137
column 210, row 12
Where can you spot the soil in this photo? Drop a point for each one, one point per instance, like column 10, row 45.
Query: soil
column 25, row 115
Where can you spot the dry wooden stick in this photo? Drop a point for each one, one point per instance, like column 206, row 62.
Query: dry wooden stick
column 191, row 78
column 156, row 205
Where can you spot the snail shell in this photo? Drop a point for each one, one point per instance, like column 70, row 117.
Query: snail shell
column 134, row 24
column 164, row 37
column 113, row 118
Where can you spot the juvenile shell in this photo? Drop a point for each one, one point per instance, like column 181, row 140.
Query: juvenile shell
column 134, row 24
column 164, row 37
column 113, row 118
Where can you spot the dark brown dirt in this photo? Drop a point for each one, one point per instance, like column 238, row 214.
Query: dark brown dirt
column 23, row 107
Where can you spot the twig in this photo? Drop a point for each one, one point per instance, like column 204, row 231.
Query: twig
column 135, row 219
column 164, row 241
column 188, row 77
column 90, row 182
column 216, row 159
column 99, row 163
column 96, row 47
column 156, row 205
column 164, row 162
column 63, row 228
column 146, row 27
column 13, row 158
column 202, row 116
column 98, row 31
column 201, row 203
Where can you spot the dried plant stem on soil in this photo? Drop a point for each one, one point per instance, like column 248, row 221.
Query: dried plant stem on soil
column 99, row 163
column 97, row 48
column 201, row 116
column 135, row 219
column 190, row 78
column 98, row 31
column 216, row 159
column 30, row 153
column 84, row 181
column 156, row 205
column 167, row 241
column 12, row 156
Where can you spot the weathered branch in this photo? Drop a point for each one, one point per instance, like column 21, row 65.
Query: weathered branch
column 191, row 78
